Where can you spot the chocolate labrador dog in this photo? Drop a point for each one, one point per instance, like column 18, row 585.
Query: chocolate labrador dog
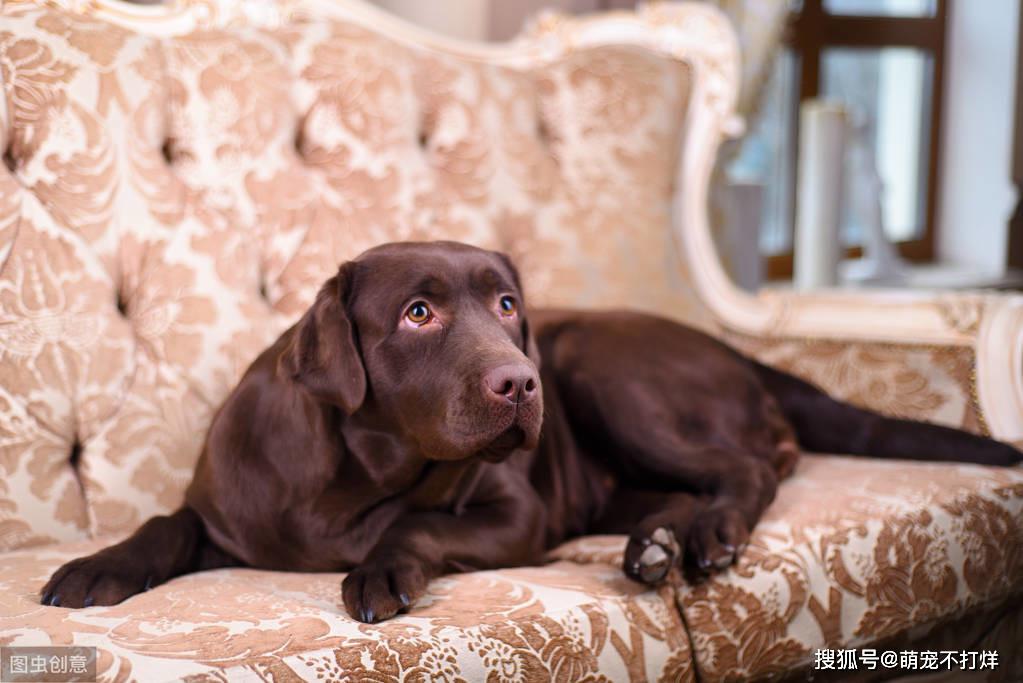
column 416, row 422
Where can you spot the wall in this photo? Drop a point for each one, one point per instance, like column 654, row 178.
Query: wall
column 976, row 197
column 479, row 19
column 508, row 16
column 459, row 18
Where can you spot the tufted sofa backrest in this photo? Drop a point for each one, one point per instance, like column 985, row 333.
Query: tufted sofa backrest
column 169, row 205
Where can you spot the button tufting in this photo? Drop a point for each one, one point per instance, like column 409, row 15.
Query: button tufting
column 167, row 151
column 300, row 142
column 422, row 139
column 76, row 454
column 543, row 133
column 9, row 160
column 122, row 306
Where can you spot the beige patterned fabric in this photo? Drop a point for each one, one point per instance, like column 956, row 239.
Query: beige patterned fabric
column 852, row 551
column 561, row 622
column 170, row 206
column 932, row 383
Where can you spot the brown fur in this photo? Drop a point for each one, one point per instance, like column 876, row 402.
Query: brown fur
column 359, row 442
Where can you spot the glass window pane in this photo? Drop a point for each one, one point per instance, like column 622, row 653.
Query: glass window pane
column 767, row 155
column 888, row 94
column 881, row 8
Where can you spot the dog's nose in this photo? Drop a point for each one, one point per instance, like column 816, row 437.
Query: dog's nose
column 516, row 383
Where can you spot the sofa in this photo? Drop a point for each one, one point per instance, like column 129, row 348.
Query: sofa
column 179, row 179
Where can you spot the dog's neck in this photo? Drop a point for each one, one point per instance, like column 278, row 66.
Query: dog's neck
column 396, row 466
column 391, row 463
column 446, row 485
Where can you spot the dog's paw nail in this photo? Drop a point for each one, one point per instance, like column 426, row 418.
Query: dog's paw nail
column 89, row 601
column 366, row 616
column 45, row 600
column 704, row 563
column 404, row 600
column 653, row 555
column 662, row 536
column 149, row 583
column 645, row 541
column 55, row 601
column 723, row 561
column 729, row 548
column 654, row 564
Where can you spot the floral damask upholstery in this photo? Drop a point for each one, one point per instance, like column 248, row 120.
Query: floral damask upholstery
column 169, row 203
column 564, row 621
column 190, row 196
column 912, row 381
column 852, row 552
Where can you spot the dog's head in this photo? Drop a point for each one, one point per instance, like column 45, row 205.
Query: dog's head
column 431, row 340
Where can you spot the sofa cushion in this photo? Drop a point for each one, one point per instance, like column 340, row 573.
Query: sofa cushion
column 851, row 552
column 854, row 551
column 563, row 621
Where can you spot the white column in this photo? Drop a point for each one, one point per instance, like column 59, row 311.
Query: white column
column 899, row 113
column 975, row 195
column 822, row 133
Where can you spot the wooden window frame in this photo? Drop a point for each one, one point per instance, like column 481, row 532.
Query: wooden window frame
column 809, row 32
column 1016, row 221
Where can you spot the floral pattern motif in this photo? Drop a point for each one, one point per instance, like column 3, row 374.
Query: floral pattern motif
column 935, row 384
column 169, row 206
column 854, row 551
column 850, row 553
column 213, row 181
column 561, row 622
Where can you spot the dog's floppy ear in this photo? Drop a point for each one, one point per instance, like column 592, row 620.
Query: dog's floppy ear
column 323, row 355
column 528, row 341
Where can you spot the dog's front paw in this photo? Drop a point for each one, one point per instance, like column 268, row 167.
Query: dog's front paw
column 100, row 579
column 649, row 558
column 717, row 537
column 379, row 589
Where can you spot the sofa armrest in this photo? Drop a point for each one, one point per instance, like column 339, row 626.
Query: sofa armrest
column 955, row 358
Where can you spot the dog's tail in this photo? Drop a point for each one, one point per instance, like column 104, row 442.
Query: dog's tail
column 825, row 425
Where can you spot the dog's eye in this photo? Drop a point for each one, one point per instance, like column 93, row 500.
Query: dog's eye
column 418, row 313
column 508, row 305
